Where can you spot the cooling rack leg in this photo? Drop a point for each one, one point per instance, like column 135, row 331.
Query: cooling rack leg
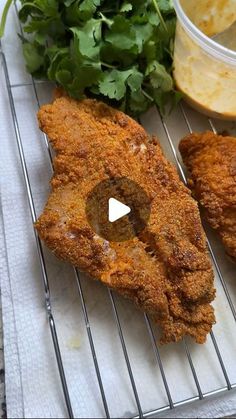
column 193, row 369
column 159, row 361
column 92, row 347
column 125, row 352
column 60, row 364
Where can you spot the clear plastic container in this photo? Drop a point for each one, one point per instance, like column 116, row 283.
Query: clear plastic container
column 204, row 70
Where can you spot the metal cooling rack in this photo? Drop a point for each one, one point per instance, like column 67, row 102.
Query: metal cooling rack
column 140, row 413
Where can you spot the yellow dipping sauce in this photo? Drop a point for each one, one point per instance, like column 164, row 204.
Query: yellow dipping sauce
column 204, row 70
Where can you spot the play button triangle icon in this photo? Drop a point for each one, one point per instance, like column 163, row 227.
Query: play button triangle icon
column 108, row 204
column 116, row 210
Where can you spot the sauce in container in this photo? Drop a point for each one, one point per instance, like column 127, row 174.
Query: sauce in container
column 204, row 70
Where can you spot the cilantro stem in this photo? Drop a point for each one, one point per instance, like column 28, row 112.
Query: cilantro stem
column 155, row 4
column 105, row 19
column 4, row 17
column 107, row 65
column 147, row 95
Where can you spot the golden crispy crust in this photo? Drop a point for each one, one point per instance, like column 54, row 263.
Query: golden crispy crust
column 166, row 271
column 211, row 161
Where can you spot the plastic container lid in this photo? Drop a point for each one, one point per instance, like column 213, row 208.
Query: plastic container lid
column 208, row 44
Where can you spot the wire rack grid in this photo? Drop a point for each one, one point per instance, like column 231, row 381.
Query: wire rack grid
column 229, row 385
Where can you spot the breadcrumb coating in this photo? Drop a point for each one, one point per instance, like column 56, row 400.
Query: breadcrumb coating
column 211, row 161
column 166, row 270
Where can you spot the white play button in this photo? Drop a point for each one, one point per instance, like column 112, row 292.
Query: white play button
column 116, row 210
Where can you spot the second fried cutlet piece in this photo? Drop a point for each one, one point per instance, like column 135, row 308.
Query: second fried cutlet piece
column 166, row 271
column 211, row 161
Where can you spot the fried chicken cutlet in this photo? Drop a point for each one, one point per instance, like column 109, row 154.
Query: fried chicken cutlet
column 211, row 161
column 166, row 270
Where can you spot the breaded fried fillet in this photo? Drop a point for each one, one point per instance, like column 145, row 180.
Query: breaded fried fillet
column 211, row 161
column 165, row 271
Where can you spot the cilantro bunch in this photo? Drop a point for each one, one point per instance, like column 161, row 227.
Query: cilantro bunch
column 117, row 51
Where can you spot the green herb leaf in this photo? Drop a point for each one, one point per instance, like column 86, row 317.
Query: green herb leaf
column 88, row 38
column 121, row 34
column 113, row 84
column 135, row 80
column 63, row 77
column 88, row 8
column 159, row 77
column 126, row 7
column 138, row 102
column 117, row 51
column 143, row 34
column 165, row 5
column 33, row 57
